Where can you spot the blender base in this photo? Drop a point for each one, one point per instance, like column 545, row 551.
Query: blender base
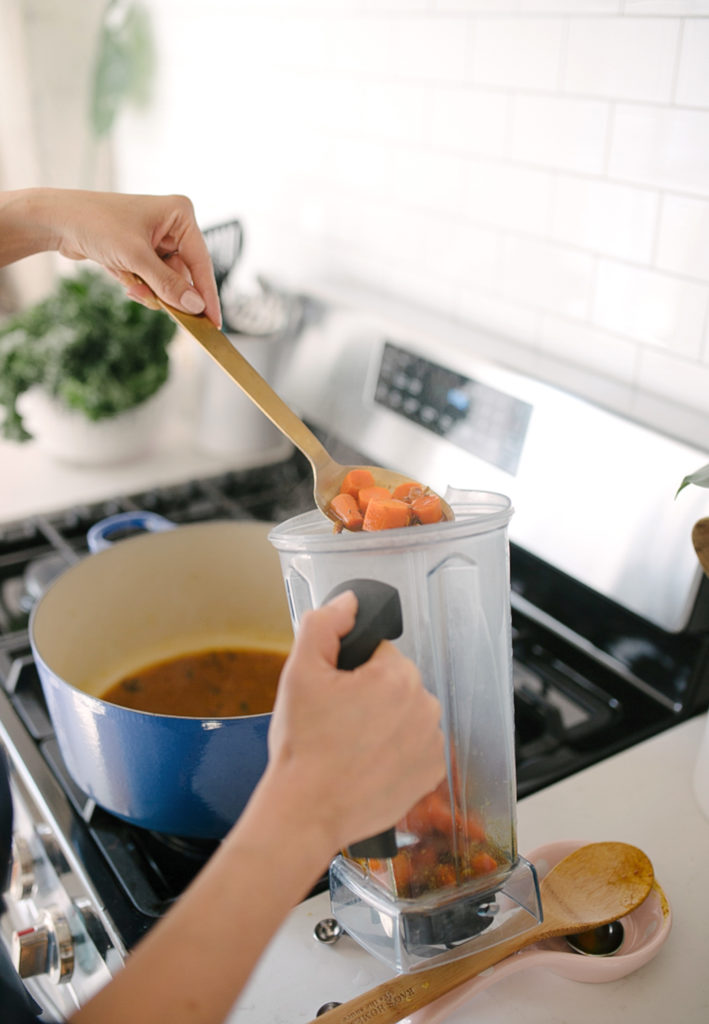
column 411, row 935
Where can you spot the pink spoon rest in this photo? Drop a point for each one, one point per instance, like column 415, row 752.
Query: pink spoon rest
column 646, row 929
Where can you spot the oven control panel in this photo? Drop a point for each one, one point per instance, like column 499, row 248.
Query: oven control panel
column 485, row 422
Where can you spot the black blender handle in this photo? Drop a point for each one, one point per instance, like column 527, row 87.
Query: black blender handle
column 378, row 618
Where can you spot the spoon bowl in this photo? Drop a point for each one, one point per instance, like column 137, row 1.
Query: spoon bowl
column 327, row 473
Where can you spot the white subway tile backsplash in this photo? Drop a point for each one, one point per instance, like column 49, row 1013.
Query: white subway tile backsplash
column 467, row 120
column 463, row 254
column 426, row 179
column 356, row 45
column 547, row 276
column 396, row 111
column 651, row 307
column 621, row 58
column 676, row 8
column 537, row 167
column 693, row 77
column 518, row 53
column 530, row 7
column 508, row 196
column 663, row 146
column 430, row 49
column 616, row 220
column 569, row 134
column 683, row 245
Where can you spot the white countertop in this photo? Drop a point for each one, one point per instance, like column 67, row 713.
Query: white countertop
column 643, row 796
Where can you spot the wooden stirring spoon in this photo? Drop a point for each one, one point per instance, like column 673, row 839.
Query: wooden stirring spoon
column 327, row 473
column 596, row 884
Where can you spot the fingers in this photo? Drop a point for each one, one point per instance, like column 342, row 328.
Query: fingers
column 320, row 631
column 194, row 256
column 136, row 289
column 166, row 282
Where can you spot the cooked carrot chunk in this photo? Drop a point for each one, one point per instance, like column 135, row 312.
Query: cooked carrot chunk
column 407, row 491
column 386, row 514
column 366, row 495
column 355, row 480
column 347, row 511
column 482, row 863
column 427, row 508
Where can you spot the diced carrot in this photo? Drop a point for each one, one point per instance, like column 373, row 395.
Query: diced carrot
column 355, row 480
column 427, row 508
column 407, row 491
column 347, row 511
column 482, row 863
column 401, row 866
column 431, row 814
column 366, row 494
column 386, row 514
column 473, row 828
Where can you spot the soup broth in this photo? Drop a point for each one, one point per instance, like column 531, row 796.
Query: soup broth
column 207, row 684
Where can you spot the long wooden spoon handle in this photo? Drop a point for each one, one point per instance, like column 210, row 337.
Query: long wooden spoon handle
column 395, row 999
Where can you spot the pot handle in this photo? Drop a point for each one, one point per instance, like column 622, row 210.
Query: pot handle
column 99, row 536
column 378, row 618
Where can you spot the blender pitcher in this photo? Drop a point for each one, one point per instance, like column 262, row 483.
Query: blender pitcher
column 450, row 880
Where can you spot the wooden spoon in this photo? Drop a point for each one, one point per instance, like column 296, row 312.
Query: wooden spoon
column 328, row 474
column 594, row 885
column 700, row 539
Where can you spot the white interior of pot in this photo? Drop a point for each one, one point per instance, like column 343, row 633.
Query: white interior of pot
column 155, row 596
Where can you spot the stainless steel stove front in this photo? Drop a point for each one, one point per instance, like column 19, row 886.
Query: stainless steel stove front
column 54, row 926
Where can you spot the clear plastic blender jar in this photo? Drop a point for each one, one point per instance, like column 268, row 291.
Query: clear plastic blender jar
column 454, row 881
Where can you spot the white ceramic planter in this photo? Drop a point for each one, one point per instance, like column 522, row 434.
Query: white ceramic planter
column 70, row 437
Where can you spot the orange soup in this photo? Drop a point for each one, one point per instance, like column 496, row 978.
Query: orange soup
column 207, row 684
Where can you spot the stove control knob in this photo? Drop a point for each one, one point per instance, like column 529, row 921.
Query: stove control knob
column 46, row 948
column 22, row 878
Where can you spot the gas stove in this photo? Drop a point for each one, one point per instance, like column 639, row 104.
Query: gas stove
column 608, row 649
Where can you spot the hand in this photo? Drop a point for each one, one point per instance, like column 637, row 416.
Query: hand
column 362, row 746
column 150, row 243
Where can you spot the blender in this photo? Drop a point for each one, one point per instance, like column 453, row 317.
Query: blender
column 446, row 880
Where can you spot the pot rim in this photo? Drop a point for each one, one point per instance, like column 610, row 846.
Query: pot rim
column 99, row 704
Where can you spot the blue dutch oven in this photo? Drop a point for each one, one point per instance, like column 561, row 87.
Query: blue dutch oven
column 171, row 591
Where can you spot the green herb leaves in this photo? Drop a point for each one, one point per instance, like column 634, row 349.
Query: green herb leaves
column 88, row 346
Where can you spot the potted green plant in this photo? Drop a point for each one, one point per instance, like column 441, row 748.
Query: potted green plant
column 81, row 369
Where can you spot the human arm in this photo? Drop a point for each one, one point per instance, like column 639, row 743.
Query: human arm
column 150, row 243
column 337, row 773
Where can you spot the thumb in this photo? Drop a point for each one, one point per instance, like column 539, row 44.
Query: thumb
column 320, row 632
column 169, row 282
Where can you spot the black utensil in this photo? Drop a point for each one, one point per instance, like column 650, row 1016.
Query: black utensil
column 224, row 242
